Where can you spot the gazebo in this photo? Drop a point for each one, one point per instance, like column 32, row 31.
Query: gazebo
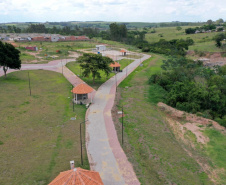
column 81, row 92
column 123, row 52
column 78, row 176
column 116, row 66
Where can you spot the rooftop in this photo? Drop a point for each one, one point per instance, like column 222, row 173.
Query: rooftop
column 82, row 88
column 78, row 176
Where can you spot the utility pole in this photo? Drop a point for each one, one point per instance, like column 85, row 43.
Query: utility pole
column 62, row 66
column 116, row 81
column 81, row 139
column 122, row 122
column 29, row 83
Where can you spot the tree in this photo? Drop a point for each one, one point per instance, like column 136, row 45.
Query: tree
column 9, row 57
column 178, row 28
column 93, row 64
column 220, row 21
column 218, row 38
column 209, row 22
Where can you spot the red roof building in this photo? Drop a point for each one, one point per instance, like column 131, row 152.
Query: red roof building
column 81, row 92
column 32, row 48
column 116, row 66
column 77, row 176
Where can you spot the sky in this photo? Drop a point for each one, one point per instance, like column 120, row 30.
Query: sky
column 112, row 10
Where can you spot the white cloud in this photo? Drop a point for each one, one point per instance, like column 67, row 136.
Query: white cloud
column 111, row 10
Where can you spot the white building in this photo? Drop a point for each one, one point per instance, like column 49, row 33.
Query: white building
column 100, row 47
column 55, row 38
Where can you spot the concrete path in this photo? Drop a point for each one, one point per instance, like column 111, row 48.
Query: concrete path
column 104, row 151
column 55, row 65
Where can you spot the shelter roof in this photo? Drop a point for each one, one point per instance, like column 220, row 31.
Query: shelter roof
column 78, row 176
column 82, row 88
column 115, row 64
column 123, row 51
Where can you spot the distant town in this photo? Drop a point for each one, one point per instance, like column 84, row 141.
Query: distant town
column 27, row 37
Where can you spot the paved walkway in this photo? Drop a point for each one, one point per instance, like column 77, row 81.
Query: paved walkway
column 104, row 151
column 55, row 65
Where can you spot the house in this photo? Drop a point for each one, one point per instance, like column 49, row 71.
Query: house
column 42, row 39
column 32, row 48
column 100, row 47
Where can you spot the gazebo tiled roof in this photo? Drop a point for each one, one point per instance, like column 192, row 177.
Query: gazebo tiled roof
column 123, row 51
column 77, row 176
column 115, row 64
column 82, row 88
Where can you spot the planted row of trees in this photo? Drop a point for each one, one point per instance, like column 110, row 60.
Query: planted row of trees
column 194, row 88
column 200, row 29
column 41, row 28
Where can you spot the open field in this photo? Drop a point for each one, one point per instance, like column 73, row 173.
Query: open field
column 37, row 138
column 170, row 33
column 150, row 144
column 75, row 68
column 203, row 41
column 49, row 50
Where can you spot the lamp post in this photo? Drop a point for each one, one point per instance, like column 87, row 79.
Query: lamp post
column 81, row 139
column 62, row 65
column 122, row 121
column 126, row 68
column 115, row 82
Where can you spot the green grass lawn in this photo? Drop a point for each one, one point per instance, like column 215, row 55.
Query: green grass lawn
column 157, row 156
column 26, row 58
column 37, row 139
column 75, row 68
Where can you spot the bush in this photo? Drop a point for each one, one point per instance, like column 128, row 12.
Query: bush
column 222, row 122
column 146, row 49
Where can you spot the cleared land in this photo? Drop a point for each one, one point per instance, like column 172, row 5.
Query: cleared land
column 37, row 138
column 155, row 151
column 51, row 50
column 75, row 68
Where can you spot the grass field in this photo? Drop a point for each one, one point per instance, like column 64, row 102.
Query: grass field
column 37, row 138
column 157, row 156
column 203, row 41
column 75, row 68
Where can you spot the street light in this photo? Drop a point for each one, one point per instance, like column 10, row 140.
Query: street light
column 126, row 68
column 62, row 65
column 116, row 81
column 81, row 139
column 122, row 121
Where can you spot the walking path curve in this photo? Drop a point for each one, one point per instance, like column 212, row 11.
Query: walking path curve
column 55, row 65
column 104, row 151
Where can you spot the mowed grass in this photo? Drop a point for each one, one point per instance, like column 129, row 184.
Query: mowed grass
column 75, row 68
column 26, row 58
column 150, row 145
column 37, row 137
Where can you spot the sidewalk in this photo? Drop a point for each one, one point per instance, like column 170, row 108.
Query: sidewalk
column 104, row 151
